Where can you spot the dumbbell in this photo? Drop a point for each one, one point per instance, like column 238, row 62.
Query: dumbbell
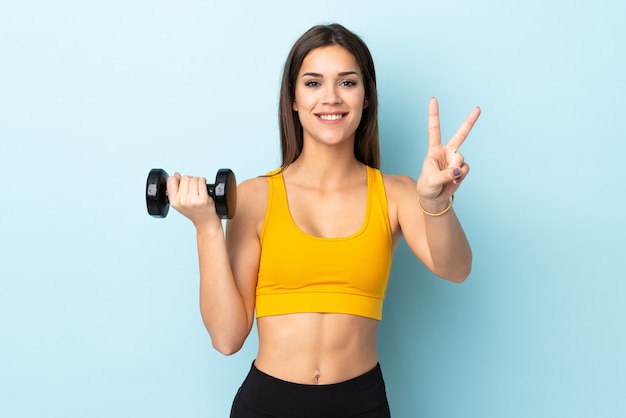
column 223, row 192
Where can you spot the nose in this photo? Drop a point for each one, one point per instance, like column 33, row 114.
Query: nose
column 331, row 94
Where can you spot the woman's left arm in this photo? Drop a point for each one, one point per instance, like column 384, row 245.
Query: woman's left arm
column 425, row 214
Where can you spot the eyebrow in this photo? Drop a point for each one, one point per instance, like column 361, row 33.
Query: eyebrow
column 341, row 74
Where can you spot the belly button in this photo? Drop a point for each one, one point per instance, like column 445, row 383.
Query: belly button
column 317, row 376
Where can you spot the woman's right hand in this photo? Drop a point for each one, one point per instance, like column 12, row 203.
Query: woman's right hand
column 189, row 196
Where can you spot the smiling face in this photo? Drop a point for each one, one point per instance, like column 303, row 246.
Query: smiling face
column 329, row 96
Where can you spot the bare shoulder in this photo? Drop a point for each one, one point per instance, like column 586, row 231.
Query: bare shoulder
column 251, row 202
column 253, row 188
column 397, row 186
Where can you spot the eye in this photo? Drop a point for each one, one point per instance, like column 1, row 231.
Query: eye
column 312, row 83
column 348, row 83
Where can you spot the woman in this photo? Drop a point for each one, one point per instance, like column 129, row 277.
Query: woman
column 310, row 247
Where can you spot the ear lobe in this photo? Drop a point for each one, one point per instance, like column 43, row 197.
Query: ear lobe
column 365, row 103
column 294, row 105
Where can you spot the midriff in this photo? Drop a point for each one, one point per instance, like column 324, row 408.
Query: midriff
column 316, row 348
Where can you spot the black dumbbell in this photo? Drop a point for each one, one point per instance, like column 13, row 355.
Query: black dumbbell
column 223, row 192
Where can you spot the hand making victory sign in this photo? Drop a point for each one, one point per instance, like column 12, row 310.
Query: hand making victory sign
column 444, row 167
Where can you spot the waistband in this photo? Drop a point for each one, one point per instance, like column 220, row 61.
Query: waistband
column 274, row 396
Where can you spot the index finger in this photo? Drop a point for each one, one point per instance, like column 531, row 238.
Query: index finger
column 173, row 183
column 434, row 128
column 461, row 134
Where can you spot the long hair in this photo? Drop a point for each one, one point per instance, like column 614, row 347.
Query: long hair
column 366, row 146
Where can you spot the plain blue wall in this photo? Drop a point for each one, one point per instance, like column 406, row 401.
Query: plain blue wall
column 98, row 301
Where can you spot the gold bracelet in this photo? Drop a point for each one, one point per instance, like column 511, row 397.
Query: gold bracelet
column 439, row 213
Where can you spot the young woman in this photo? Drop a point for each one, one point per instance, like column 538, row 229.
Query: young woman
column 310, row 247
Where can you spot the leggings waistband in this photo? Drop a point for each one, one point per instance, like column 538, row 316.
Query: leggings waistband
column 278, row 398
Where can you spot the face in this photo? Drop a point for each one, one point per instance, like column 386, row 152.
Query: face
column 329, row 96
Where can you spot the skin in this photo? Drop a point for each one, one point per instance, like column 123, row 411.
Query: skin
column 326, row 186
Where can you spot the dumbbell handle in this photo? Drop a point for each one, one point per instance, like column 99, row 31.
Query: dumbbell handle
column 210, row 188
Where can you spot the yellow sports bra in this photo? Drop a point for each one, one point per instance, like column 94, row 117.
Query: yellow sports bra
column 299, row 272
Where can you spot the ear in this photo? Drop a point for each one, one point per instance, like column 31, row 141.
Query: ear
column 365, row 103
column 294, row 105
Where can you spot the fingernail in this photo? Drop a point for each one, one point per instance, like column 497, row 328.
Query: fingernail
column 457, row 172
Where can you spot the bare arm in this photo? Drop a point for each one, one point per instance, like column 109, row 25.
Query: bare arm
column 438, row 241
column 228, row 266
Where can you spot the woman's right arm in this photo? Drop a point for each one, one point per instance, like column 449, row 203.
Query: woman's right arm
column 228, row 266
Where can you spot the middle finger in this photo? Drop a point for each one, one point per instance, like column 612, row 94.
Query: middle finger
column 461, row 134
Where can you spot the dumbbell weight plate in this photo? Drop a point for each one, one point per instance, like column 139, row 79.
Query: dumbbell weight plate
column 156, row 193
column 224, row 192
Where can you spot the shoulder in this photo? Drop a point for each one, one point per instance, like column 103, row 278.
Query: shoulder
column 251, row 202
column 252, row 192
column 399, row 189
column 253, row 186
column 396, row 185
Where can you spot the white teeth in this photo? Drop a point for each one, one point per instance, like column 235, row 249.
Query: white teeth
column 331, row 117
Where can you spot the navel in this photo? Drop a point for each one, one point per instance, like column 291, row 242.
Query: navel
column 317, row 377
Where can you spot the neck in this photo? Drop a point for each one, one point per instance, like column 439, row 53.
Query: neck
column 324, row 169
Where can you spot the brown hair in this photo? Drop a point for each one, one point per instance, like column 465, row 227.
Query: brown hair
column 366, row 147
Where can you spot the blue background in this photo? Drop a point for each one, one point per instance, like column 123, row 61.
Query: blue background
column 98, row 302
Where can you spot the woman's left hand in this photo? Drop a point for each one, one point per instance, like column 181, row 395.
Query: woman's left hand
column 444, row 167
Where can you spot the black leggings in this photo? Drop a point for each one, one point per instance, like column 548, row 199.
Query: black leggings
column 264, row 396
